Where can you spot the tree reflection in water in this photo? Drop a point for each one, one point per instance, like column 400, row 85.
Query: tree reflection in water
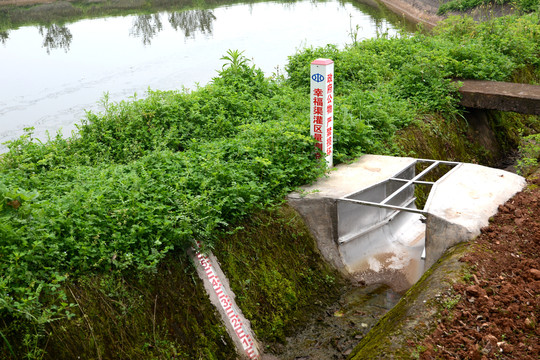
column 192, row 20
column 146, row 26
column 55, row 37
column 4, row 36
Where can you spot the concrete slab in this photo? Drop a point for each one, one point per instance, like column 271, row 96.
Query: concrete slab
column 504, row 96
column 348, row 178
column 462, row 203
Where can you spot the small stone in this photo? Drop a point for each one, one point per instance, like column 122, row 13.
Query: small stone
column 475, row 291
column 507, row 348
column 490, row 342
column 529, row 323
column 535, row 273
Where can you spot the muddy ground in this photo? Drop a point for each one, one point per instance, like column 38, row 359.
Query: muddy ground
column 499, row 303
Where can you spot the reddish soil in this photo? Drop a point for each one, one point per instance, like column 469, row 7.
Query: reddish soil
column 498, row 314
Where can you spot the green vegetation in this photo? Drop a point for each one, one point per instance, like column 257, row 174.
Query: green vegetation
column 529, row 151
column 147, row 177
column 525, row 6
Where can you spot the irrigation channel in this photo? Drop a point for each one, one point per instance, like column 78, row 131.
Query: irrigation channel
column 52, row 73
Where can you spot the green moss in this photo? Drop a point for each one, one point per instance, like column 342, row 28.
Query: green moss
column 276, row 272
column 434, row 137
column 162, row 315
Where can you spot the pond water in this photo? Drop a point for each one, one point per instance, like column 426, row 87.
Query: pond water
column 51, row 74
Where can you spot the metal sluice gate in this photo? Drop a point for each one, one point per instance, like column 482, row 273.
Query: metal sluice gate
column 393, row 209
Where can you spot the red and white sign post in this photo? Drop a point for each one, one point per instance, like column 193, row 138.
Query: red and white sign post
column 322, row 106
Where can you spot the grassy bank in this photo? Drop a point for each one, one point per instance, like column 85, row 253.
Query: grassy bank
column 145, row 178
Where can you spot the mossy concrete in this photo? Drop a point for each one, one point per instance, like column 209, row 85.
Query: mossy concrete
column 277, row 273
column 416, row 314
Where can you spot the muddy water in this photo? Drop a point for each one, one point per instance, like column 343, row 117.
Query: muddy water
column 51, row 74
column 333, row 333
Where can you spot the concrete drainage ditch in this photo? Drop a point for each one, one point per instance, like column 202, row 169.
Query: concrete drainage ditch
column 381, row 220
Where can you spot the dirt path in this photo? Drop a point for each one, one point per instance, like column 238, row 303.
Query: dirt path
column 499, row 305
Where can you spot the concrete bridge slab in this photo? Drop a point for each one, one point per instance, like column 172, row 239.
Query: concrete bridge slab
column 503, row 96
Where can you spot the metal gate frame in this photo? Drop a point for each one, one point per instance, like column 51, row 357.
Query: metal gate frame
column 364, row 211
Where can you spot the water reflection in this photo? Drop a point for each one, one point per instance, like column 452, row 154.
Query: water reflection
column 146, row 27
column 4, row 36
column 55, row 37
column 190, row 21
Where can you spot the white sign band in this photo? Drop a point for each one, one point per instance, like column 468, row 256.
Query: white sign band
column 228, row 306
column 322, row 107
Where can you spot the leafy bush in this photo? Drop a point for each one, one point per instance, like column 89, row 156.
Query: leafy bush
column 465, row 5
column 529, row 151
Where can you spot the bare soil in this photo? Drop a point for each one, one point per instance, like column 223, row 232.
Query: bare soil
column 499, row 308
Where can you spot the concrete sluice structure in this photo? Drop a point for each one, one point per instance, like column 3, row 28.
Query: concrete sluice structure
column 386, row 219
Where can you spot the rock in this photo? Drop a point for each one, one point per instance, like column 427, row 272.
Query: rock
column 529, row 323
column 490, row 344
column 491, row 339
column 475, row 291
column 535, row 273
column 507, row 348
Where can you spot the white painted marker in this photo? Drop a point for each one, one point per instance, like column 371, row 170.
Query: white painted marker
column 322, row 107
column 230, row 308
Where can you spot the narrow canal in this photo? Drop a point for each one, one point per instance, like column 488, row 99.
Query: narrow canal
column 51, row 74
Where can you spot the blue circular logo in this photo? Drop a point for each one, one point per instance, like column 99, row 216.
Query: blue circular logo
column 317, row 77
